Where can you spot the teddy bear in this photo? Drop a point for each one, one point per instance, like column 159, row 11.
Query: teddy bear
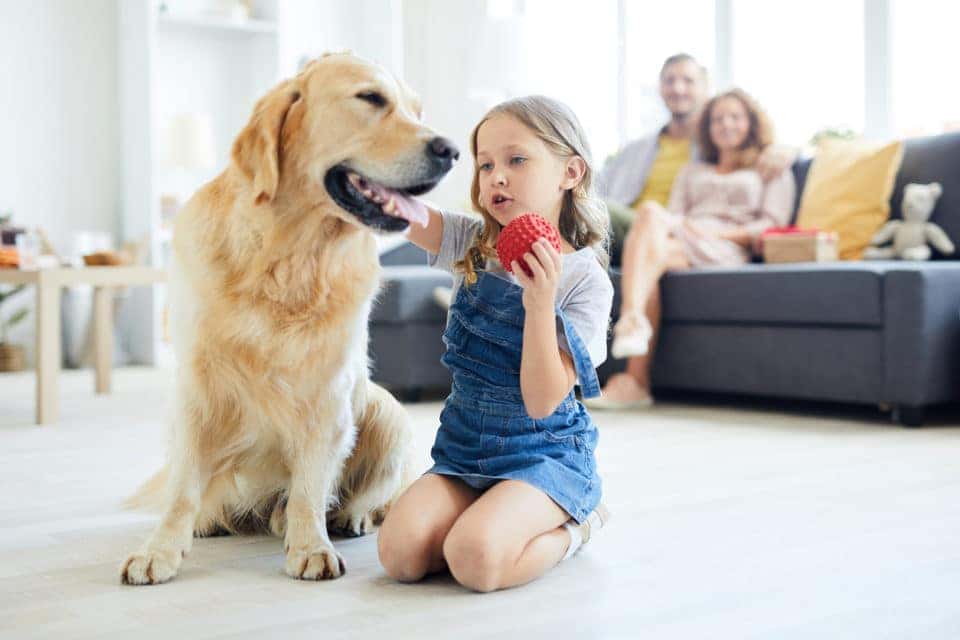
column 910, row 235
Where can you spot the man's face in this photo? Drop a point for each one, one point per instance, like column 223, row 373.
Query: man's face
column 683, row 88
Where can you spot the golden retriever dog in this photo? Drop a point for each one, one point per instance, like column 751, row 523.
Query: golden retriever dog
column 277, row 426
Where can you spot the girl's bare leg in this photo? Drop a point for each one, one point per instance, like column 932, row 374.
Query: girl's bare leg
column 410, row 540
column 512, row 534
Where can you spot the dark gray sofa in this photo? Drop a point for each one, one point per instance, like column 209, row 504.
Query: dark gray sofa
column 880, row 333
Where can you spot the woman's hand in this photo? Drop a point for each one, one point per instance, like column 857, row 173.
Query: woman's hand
column 540, row 290
column 774, row 160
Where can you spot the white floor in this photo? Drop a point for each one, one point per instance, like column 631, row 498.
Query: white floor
column 729, row 523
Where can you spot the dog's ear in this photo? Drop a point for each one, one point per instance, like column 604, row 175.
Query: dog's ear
column 257, row 149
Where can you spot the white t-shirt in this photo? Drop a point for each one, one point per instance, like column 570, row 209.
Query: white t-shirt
column 584, row 294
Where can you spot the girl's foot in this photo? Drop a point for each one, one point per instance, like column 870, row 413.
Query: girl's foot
column 631, row 336
column 580, row 534
column 621, row 393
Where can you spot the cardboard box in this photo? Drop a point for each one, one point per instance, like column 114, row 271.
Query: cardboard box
column 800, row 246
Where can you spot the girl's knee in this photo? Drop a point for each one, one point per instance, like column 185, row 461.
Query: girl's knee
column 474, row 559
column 404, row 554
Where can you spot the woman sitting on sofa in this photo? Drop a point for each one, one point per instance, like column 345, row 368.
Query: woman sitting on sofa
column 718, row 207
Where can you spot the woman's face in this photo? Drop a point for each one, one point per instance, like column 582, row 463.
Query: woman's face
column 729, row 124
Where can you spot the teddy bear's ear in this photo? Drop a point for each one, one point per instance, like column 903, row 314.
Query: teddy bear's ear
column 935, row 189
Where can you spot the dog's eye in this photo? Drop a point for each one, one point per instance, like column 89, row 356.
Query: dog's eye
column 373, row 97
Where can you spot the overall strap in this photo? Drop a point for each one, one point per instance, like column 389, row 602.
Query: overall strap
column 586, row 373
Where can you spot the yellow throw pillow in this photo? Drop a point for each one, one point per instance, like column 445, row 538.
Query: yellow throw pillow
column 848, row 191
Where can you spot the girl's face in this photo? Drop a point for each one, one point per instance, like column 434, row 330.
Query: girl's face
column 729, row 124
column 518, row 174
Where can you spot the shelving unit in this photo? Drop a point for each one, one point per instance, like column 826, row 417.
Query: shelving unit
column 191, row 59
column 210, row 23
column 186, row 60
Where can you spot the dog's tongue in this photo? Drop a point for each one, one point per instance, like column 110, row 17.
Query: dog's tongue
column 404, row 206
column 409, row 208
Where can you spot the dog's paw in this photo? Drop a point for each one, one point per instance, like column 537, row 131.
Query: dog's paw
column 151, row 567
column 380, row 514
column 351, row 526
column 322, row 563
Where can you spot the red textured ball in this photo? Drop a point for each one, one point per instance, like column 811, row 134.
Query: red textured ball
column 518, row 237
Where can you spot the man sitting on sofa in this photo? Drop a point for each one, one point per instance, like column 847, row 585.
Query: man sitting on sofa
column 645, row 171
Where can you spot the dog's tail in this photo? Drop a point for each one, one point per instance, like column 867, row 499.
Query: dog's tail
column 151, row 493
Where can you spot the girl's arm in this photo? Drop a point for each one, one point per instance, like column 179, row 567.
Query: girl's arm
column 428, row 238
column 547, row 374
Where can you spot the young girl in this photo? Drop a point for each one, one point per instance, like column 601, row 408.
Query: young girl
column 718, row 208
column 514, row 488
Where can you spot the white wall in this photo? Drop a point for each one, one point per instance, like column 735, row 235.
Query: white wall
column 59, row 139
column 441, row 40
column 59, row 96
column 369, row 28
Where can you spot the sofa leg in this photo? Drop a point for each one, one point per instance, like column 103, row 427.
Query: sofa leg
column 908, row 415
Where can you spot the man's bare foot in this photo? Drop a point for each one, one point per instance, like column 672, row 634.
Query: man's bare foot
column 622, row 392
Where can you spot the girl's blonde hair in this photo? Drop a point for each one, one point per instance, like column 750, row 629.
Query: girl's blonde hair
column 584, row 221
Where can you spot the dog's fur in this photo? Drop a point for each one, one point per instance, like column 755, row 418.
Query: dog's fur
column 271, row 286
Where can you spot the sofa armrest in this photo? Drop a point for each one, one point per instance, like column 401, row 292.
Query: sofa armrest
column 403, row 254
column 922, row 333
column 406, row 295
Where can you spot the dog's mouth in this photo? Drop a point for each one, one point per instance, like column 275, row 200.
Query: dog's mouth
column 376, row 205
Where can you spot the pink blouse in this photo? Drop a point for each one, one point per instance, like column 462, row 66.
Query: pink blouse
column 740, row 200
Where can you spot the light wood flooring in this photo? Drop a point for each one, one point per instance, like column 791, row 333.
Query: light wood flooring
column 731, row 521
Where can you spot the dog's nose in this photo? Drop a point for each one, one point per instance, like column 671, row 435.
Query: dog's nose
column 443, row 149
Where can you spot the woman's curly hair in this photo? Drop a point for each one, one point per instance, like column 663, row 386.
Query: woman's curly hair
column 759, row 137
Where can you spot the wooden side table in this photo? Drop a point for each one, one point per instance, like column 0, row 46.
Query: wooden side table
column 48, row 283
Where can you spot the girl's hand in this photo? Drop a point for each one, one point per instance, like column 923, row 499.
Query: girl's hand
column 539, row 291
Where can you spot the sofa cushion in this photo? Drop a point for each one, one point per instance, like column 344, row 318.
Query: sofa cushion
column 407, row 296
column 801, row 169
column 403, row 253
column 933, row 159
column 925, row 160
column 848, row 191
column 791, row 294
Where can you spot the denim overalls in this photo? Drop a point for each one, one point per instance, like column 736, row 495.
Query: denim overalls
column 485, row 433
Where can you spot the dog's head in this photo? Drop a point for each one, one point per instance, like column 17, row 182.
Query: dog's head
column 343, row 131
